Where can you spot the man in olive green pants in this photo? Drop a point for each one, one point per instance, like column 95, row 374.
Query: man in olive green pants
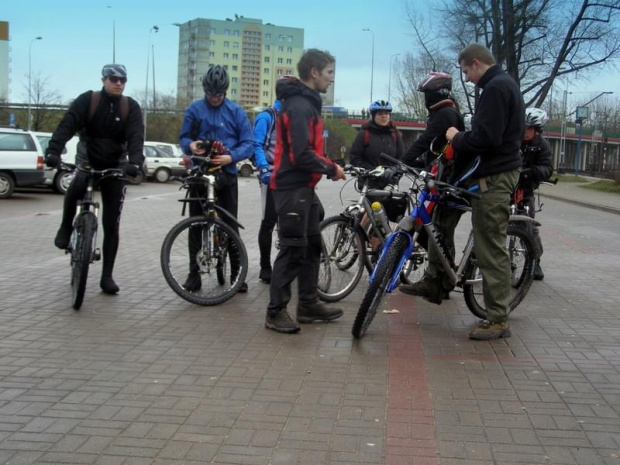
column 497, row 130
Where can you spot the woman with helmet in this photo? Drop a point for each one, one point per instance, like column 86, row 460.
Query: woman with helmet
column 215, row 118
column 379, row 135
column 537, row 167
column 443, row 113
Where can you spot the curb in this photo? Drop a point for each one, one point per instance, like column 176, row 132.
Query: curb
column 603, row 208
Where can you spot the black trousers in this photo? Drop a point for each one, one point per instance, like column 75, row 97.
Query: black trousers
column 227, row 198
column 112, row 198
column 299, row 216
column 268, row 222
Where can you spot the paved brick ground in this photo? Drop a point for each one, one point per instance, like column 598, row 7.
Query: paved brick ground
column 147, row 378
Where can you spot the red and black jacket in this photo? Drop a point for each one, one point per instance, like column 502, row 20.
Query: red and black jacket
column 299, row 160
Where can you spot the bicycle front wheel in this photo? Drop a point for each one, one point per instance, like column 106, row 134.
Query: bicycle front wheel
column 522, row 254
column 383, row 274
column 81, row 254
column 342, row 255
column 198, row 250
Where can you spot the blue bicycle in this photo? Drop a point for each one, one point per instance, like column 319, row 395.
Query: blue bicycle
column 403, row 241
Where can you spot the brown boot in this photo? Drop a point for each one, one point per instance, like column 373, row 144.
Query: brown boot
column 316, row 311
column 488, row 330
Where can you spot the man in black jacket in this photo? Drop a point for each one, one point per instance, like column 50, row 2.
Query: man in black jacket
column 111, row 136
column 299, row 164
column 537, row 167
column 496, row 135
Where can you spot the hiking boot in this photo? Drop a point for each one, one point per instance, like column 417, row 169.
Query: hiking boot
column 265, row 275
column 193, row 282
column 487, row 330
column 63, row 237
column 108, row 285
column 538, row 272
column 316, row 311
column 281, row 322
column 428, row 287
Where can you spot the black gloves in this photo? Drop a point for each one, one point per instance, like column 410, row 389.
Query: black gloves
column 52, row 160
column 526, row 176
column 391, row 176
column 132, row 170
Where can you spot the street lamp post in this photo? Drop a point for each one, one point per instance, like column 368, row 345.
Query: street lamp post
column 146, row 87
column 113, row 38
column 583, row 114
column 30, row 80
column 372, row 62
column 390, row 77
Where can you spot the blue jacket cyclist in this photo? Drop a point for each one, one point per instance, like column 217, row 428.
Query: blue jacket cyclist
column 217, row 119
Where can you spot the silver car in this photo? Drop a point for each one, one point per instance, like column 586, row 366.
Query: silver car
column 161, row 164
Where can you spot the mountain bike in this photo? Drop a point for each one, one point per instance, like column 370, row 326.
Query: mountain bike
column 83, row 244
column 205, row 243
column 466, row 275
column 352, row 240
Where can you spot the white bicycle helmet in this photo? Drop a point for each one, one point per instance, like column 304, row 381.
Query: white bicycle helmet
column 536, row 118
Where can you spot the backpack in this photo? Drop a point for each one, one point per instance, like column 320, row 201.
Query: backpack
column 94, row 103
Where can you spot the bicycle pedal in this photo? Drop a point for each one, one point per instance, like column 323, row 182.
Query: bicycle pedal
column 97, row 255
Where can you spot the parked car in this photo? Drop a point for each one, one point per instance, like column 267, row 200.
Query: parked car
column 161, row 164
column 59, row 180
column 172, row 149
column 245, row 168
column 21, row 160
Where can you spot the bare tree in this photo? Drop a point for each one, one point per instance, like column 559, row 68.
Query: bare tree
column 42, row 98
column 536, row 41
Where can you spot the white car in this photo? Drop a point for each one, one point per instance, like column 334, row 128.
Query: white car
column 172, row 149
column 59, row 180
column 245, row 168
column 162, row 165
column 21, row 160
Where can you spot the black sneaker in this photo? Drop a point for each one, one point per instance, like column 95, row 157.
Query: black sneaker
column 63, row 237
column 265, row 275
column 538, row 272
column 281, row 322
column 316, row 311
column 193, row 282
column 108, row 285
column 429, row 288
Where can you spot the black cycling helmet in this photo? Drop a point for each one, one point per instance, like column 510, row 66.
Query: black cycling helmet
column 435, row 81
column 215, row 81
column 114, row 70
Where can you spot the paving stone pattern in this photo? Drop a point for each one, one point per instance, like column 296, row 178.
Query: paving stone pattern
column 147, row 378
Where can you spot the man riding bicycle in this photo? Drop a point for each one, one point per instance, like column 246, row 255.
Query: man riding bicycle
column 111, row 136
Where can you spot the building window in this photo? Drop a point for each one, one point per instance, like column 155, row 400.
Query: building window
column 280, row 60
column 233, row 91
column 212, row 43
column 235, row 68
column 280, row 48
column 226, row 56
column 266, row 59
column 265, row 93
column 289, row 61
column 267, row 47
column 211, row 54
column 265, row 82
column 289, row 39
column 289, row 49
column 234, row 80
column 226, row 32
column 236, row 33
column 226, row 44
column 267, row 36
column 265, row 70
column 212, row 30
column 235, row 44
column 235, row 56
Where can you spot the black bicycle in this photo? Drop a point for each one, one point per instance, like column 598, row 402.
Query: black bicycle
column 204, row 243
column 83, row 244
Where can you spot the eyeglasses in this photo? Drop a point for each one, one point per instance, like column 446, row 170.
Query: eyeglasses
column 218, row 95
column 116, row 80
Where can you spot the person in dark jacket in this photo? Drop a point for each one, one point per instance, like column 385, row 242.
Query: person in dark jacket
column 495, row 137
column 299, row 164
column 379, row 135
column 215, row 118
column 109, row 138
column 537, row 167
column 442, row 114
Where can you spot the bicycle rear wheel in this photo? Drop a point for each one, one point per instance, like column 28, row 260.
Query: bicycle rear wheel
column 522, row 254
column 205, row 246
column 415, row 266
column 342, row 256
column 83, row 239
column 383, row 274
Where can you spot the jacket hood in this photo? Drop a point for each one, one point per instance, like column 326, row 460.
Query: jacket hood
column 290, row 87
column 490, row 73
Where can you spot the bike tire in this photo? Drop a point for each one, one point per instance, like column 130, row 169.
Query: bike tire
column 342, row 259
column 175, row 260
column 522, row 259
column 374, row 294
column 81, row 254
column 415, row 266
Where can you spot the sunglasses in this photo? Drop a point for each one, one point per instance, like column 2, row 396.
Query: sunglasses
column 116, row 80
